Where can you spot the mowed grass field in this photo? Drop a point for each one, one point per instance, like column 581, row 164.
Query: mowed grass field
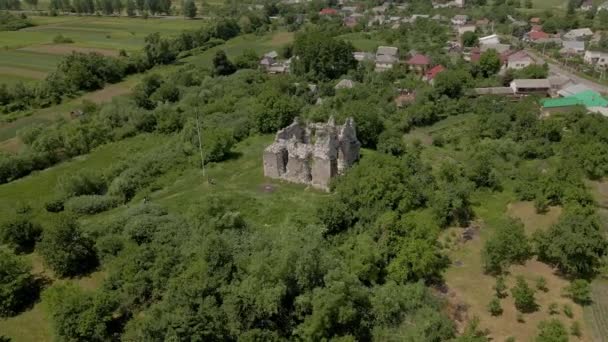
column 29, row 54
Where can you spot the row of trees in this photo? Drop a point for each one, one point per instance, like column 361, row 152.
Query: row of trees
column 109, row 7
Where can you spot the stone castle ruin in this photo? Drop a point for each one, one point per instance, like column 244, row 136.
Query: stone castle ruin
column 312, row 154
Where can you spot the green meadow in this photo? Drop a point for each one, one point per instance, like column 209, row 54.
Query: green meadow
column 29, row 54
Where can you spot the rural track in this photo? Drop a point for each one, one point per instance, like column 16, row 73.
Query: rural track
column 557, row 69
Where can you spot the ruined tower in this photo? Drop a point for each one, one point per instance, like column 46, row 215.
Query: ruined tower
column 312, row 154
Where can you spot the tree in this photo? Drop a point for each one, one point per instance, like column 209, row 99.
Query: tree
column 321, row 57
column 575, row 245
column 469, row 39
column 158, row 50
column 16, row 284
column 222, row 66
column 130, row 8
column 489, row 63
column 452, row 83
column 507, row 246
column 189, row 9
column 551, row 331
column 249, row 59
column 65, row 249
column 494, row 307
column 20, row 233
column 523, row 296
column 579, row 291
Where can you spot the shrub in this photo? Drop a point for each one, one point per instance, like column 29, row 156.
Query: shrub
column 579, row 291
column 575, row 329
column 91, row 204
column 507, row 246
column 494, row 307
column 16, row 283
column 66, row 249
column 20, row 233
column 61, row 39
column 541, row 284
column 54, row 205
column 524, row 296
column 553, row 309
column 568, row 311
column 500, row 288
column 552, row 331
column 81, row 183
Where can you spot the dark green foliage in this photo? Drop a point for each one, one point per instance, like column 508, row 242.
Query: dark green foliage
column 575, row 245
column 189, row 9
column 222, row 66
column 523, row 296
column 469, row 39
column 249, row 59
column 80, row 71
column 500, row 287
column 142, row 92
column 321, row 57
column 81, row 316
column 452, row 83
column 509, row 245
column 579, row 291
column 551, row 331
column 10, row 22
column 16, row 284
column 489, row 63
column 494, row 307
column 391, row 142
column 19, row 232
column 60, row 39
column 66, row 249
column 91, row 204
column 158, row 50
column 275, row 111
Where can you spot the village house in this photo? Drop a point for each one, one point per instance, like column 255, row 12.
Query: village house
column 535, row 35
column 351, row 21
column 519, row 60
column 363, row 56
column 535, row 21
column 345, row 84
column 500, row 48
column 465, row 28
column 419, row 63
column 429, row 75
column 578, row 34
column 348, row 10
column 459, row 19
column 587, row 5
column 386, row 57
column 572, row 47
column 598, row 59
column 491, row 39
column 530, row 86
column 328, row 11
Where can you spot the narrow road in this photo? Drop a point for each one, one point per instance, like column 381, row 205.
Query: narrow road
column 557, row 69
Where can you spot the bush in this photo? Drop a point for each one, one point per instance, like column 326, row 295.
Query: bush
column 16, row 284
column 81, row 183
column 524, row 296
column 494, row 307
column 54, row 205
column 61, row 39
column 541, row 284
column 508, row 245
column 552, row 331
column 20, row 233
column 568, row 311
column 66, row 249
column 579, row 291
column 91, row 204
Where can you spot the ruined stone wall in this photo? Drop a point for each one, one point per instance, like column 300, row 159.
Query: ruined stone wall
column 312, row 154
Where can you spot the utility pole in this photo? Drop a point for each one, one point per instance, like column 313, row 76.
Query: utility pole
column 200, row 143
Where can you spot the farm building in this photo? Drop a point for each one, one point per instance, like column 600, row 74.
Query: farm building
column 525, row 86
column 589, row 99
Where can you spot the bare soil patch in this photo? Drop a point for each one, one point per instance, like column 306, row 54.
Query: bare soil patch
column 37, row 75
column 66, row 49
column 282, row 38
column 533, row 221
column 106, row 94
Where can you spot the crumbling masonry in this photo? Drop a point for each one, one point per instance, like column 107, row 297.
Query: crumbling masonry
column 312, row 154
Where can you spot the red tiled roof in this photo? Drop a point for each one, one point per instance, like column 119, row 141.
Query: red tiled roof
column 419, row 59
column 536, row 35
column 519, row 55
column 434, row 71
column 537, row 28
column 328, row 11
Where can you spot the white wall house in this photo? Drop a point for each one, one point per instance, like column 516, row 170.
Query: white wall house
column 519, row 60
column 597, row 58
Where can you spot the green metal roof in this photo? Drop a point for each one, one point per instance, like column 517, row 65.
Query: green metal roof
column 587, row 98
